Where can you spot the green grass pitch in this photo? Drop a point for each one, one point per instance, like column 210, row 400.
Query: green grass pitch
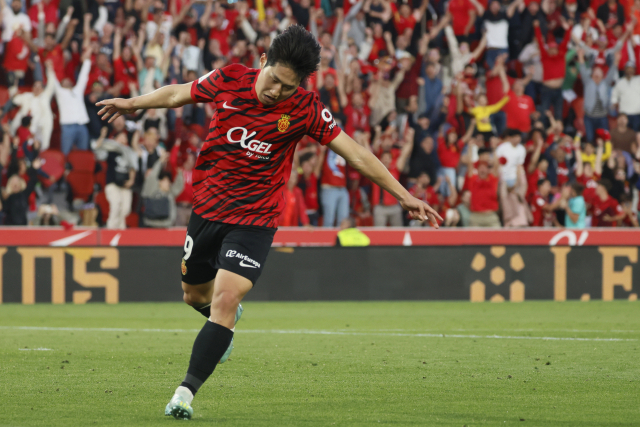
column 307, row 364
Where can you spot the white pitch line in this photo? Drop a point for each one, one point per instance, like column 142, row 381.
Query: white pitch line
column 36, row 349
column 318, row 332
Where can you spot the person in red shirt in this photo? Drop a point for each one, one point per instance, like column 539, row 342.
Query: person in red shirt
column 483, row 186
column 53, row 52
column 357, row 115
column 630, row 218
column 541, row 210
column 16, row 57
column 295, row 211
column 536, row 168
column 385, row 207
column 520, row 107
column 423, row 190
column 125, row 67
column 308, row 183
column 449, row 151
column 554, row 67
column 606, row 210
column 463, row 18
column 403, row 19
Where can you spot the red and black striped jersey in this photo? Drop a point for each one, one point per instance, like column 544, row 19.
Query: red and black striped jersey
column 248, row 154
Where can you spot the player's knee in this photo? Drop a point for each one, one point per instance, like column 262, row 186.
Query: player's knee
column 226, row 301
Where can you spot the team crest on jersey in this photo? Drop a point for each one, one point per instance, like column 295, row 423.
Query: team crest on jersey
column 283, row 123
column 183, row 267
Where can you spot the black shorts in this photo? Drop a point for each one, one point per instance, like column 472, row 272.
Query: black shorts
column 212, row 245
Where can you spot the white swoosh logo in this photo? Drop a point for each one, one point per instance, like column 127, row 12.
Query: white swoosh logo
column 247, row 265
column 230, row 108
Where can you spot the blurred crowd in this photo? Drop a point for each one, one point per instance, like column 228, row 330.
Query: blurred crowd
column 498, row 114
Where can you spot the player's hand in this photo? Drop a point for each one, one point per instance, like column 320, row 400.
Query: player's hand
column 114, row 108
column 421, row 211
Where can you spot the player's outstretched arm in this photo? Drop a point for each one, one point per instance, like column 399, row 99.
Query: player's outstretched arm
column 368, row 165
column 170, row 96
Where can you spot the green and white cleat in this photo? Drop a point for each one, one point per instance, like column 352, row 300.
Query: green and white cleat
column 179, row 408
column 227, row 353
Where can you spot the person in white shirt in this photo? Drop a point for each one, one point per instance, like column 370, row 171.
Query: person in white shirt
column 73, row 112
column 12, row 15
column 37, row 104
column 626, row 96
column 511, row 154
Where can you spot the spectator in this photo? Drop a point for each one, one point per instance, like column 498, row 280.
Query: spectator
column 606, row 210
column 625, row 96
column 16, row 195
column 122, row 162
column 541, row 209
column 159, row 195
column 308, row 183
column 12, row 18
column 37, row 105
column 554, row 70
column 449, row 151
column 496, row 24
column 515, row 211
column 623, row 138
column 184, row 201
column 597, row 88
column 386, row 208
column 574, row 206
column 333, row 194
column 520, row 107
column 73, row 114
column 513, row 153
column 483, row 187
column 295, row 211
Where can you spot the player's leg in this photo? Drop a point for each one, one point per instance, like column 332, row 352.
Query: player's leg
column 213, row 340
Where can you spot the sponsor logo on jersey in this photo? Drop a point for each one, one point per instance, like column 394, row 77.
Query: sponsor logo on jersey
column 245, row 140
column 183, row 267
column 245, row 261
column 283, row 123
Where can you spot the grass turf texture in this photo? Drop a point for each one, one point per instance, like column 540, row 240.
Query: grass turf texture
column 376, row 371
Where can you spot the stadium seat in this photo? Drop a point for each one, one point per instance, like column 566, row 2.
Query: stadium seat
column 133, row 220
column 82, row 161
column 81, row 184
column 53, row 165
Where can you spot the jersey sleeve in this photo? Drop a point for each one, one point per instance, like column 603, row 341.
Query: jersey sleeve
column 205, row 88
column 321, row 125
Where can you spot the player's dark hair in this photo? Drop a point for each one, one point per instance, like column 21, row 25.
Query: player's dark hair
column 297, row 49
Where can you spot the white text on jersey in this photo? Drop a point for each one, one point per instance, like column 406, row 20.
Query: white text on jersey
column 251, row 145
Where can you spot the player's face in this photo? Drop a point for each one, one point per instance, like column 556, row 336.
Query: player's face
column 275, row 82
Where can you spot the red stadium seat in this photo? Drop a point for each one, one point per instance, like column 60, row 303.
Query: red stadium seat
column 82, row 161
column 132, row 220
column 53, row 165
column 81, row 184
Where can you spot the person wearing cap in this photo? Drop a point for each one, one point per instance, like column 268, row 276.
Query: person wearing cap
column 625, row 96
column 596, row 94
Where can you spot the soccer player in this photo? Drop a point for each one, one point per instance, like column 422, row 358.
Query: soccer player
column 238, row 181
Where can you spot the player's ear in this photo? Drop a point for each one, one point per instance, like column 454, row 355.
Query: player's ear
column 263, row 60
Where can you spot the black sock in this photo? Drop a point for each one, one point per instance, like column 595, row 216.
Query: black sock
column 211, row 343
column 204, row 310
